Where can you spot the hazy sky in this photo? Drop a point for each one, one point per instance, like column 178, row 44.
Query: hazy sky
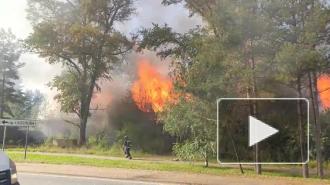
column 37, row 73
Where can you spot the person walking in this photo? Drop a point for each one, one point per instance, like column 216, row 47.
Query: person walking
column 127, row 148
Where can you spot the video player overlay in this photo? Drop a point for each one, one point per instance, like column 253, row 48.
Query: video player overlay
column 275, row 129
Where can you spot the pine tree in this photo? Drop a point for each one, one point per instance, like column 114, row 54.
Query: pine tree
column 9, row 90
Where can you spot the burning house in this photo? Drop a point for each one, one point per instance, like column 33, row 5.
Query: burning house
column 131, row 103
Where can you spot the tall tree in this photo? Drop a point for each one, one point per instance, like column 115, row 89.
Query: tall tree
column 30, row 105
column 79, row 34
column 198, row 81
column 300, row 25
column 9, row 91
column 241, row 27
column 190, row 122
column 248, row 36
column 292, row 67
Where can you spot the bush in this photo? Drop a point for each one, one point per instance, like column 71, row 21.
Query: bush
column 100, row 142
column 186, row 151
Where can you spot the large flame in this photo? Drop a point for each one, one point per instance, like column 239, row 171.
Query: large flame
column 152, row 90
column 323, row 86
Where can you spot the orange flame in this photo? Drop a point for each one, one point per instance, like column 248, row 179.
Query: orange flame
column 152, row 90
column 323, row 86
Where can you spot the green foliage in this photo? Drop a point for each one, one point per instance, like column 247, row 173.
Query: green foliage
column 189, row 121
column 30, row 107
column 99, row 142
column 212, row 62
column 81, row 36
column 10, row 52
column 295, row 61
column 192, row 151
column 245, row 49
column 297, row 53
column 14, row 103
column 324, row 119
column 69, row 94
column 155, row 142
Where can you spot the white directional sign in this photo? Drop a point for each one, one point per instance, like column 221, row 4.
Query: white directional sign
column 17, row 123
column 259, row 131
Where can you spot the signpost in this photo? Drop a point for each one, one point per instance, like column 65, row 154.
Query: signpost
column 17, row 123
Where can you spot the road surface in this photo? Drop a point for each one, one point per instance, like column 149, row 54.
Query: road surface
column 79, row 175
column 48, row 179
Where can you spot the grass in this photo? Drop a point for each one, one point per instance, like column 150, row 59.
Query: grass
column 129, row 164
column 114, row 151
column 148, row 165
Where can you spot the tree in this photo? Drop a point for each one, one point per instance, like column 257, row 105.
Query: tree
column 243, row 50
column 240, row 29
column 14, row 103
column 79, row 34
column 292, row 67
column 300, row 25
column 30, row 106
column 10, row 52
column 189, row 121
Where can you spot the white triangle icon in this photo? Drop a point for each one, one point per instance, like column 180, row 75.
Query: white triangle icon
column 259, row 131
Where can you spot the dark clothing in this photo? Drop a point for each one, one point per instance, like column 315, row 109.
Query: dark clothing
column 127, row 148
column 126, row 143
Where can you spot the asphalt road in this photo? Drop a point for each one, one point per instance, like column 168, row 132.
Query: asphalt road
column 48, row 179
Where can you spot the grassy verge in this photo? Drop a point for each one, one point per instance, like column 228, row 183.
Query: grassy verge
column 114, row 151
column 145, row 165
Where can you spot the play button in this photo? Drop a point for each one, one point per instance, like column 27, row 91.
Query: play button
column 259, row 131
column 282, row 135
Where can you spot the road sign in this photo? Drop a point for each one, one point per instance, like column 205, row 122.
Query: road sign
column 17, row 123
column 259, row 131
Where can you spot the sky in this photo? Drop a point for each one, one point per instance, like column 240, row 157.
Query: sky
column 37, row 72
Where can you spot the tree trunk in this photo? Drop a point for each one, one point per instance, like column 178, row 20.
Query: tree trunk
column 257, row 159
column 305, row 171
column 254, row 107
column 82, row 138
column 84, row 111
column 317, row 127
column 236, row 154
column 3, row 94
column 83, row 122
column 206, row 160
column 253, row 111
column 256, row 146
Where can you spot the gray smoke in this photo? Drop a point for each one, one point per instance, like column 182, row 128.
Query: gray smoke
column 118, row 88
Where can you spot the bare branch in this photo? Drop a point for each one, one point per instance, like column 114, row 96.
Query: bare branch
column 74, row 65
column 121, row 51
column 114, row 15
